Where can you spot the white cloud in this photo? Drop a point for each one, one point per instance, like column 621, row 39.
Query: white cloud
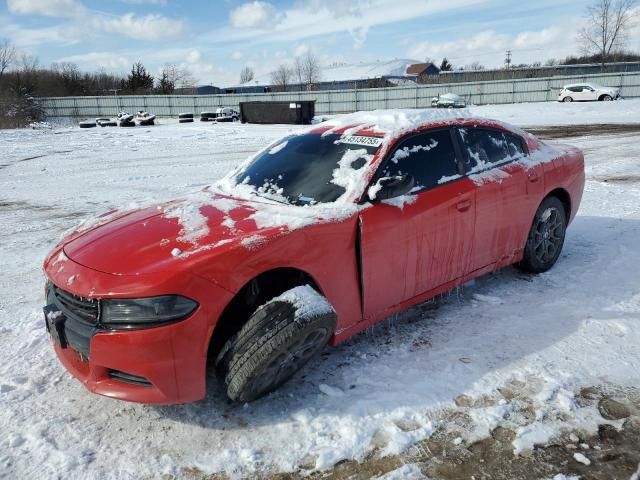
column 301, row 50
column 237, row 55
column 256, row 14
column 194, row 56
column 145, row 2
column 97, row 60
column 32, row 37
column 488, row 47
column 49, row 8
column 311, row 18
column 147, row 27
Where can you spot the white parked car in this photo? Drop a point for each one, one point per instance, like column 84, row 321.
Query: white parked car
column 588, row 92
column 448, row 100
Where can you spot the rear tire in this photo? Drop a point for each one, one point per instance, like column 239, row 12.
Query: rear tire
column 546, row 237
column 278, row 340
column 567, row 99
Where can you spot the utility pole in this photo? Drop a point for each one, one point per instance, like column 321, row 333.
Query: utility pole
column 507, row 60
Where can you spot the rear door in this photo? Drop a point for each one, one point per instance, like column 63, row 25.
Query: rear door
column 575, row 92
column 413, row 244
column 506, row 191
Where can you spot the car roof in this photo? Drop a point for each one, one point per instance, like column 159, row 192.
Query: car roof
column 590, row 84
column 392, row 124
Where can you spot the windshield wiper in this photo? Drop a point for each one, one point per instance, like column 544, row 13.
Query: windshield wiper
column 269, row 197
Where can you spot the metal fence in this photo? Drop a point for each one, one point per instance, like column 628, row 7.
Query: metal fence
column 342, row 101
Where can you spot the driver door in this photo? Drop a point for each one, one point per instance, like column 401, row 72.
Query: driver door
column 413, row 244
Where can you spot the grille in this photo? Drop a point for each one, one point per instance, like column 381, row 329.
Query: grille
column 129, row 378
column 83, row 309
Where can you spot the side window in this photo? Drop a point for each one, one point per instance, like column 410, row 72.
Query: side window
column 429, row 157
column 485, row 149
column 514, row 146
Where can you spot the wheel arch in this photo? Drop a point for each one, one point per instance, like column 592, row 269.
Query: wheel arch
column 601, row 97
column 562, row 195
column 255, row 292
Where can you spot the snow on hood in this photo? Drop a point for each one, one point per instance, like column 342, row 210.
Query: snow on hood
column 151, row 238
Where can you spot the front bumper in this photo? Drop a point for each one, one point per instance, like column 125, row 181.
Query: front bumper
column 160, row 365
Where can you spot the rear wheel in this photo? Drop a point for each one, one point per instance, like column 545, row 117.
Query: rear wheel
column 567, row 99
column 278, row 340
column 546, row 237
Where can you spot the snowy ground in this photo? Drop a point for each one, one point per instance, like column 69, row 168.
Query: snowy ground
column 541, row 338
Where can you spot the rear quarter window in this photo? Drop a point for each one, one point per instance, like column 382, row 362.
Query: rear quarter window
column 486, row 148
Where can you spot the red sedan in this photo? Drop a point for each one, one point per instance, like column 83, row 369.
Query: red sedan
column 312, row 240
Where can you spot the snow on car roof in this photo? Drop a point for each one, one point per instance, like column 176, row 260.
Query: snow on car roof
column 388, row 123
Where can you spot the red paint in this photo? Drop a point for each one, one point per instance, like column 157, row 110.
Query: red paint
column 445, row 237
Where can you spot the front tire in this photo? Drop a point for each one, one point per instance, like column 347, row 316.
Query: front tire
column 280, row 338
column 546, row 237
column 606, row 98
column 567, row 99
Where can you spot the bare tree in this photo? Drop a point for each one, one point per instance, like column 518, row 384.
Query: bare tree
column 298, row 71
column 281, row 77
column 606, row 29
column 475, row 66
column 7, row 56
column 246, row 75
column 311, row 70
column 173, row 76
column 306, row 70
column 187, row 80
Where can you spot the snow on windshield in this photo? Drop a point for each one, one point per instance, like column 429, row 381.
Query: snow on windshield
column 349, row 177
column 306, row 170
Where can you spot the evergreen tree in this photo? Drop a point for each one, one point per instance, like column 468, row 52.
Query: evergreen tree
column 445, row 66
column 139, row 80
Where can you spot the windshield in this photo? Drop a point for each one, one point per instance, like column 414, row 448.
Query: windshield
column 311, row 168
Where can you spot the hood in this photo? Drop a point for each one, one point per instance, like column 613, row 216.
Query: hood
column 155, row 238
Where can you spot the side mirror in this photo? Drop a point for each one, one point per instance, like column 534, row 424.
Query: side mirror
column 391, row 187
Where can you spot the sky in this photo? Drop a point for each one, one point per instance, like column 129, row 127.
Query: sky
column 215, row 39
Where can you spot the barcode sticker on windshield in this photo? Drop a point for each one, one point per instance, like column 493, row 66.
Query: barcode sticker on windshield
column 360, row 140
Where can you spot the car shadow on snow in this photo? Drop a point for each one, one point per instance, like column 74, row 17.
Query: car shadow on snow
column 475, row 335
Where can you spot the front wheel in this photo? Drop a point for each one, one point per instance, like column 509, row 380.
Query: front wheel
column 606, row 98
column 567, row 99
column 546, row 237
column 280, row 338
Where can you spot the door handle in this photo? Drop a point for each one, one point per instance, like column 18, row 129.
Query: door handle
column 463, row 205
column 533, row 177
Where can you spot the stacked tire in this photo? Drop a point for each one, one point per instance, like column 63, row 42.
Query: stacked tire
column 87, row 124
column 106, row 122
column 208, row 116
column 185, row 118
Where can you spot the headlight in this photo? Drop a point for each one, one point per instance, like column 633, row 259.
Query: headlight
column 145, row 312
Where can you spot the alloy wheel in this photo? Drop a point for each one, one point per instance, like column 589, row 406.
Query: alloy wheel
column 548, row 235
